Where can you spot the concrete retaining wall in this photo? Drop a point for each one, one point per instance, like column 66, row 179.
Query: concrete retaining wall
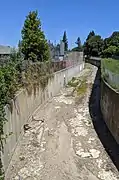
column 24, row 105
column 110, row 108
column 94, row 61
column 112, row 78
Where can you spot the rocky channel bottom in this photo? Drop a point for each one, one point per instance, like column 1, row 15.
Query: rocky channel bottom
column 61, row 143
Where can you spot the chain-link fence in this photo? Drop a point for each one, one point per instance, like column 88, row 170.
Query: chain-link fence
column 69, row 60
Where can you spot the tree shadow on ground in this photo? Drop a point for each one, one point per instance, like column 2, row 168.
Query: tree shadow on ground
column 109, row 143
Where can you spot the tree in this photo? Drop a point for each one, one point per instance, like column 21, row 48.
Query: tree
column 94, row 45
column 75, row 49
column 110, row 51
column 34, row 45
column 86, row 45
column 79, row 46
column 91, row 34
column 111, row 45
column 65, row 40
column 19, row 46
column 78, row 42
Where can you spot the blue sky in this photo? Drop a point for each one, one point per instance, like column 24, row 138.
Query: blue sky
column 77, row 17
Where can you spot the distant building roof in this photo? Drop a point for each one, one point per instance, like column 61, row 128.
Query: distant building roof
column 5, row 50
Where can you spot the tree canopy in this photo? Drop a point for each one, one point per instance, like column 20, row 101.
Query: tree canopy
column 96, row 46
column 79, row 46
column 110, row 51
column 92, row 33
column 34, row 45
column 111, row 45
column 93, row 45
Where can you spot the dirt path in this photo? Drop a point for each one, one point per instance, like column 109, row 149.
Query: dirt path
column 62, row 143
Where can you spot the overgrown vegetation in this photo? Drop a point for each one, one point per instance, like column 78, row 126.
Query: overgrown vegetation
column 81, row 90
column 8, row 86
column 110, row 66
column 28, row 68
column 37, row 74
column 74, row 82
column 12, row 79
column 80, row 85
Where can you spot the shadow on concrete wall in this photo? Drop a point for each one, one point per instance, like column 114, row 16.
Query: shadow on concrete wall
column 94, row 61
column 109, row 143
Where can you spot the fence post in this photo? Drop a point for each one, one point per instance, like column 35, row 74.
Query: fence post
column 64, row 81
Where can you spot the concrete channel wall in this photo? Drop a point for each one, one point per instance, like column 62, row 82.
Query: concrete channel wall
column 110, row 108
column 24, row 106
column 94, row 61
column 112, row 78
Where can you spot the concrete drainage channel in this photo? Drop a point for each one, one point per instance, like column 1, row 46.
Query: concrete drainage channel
column 61, row 142
column 26, row 104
